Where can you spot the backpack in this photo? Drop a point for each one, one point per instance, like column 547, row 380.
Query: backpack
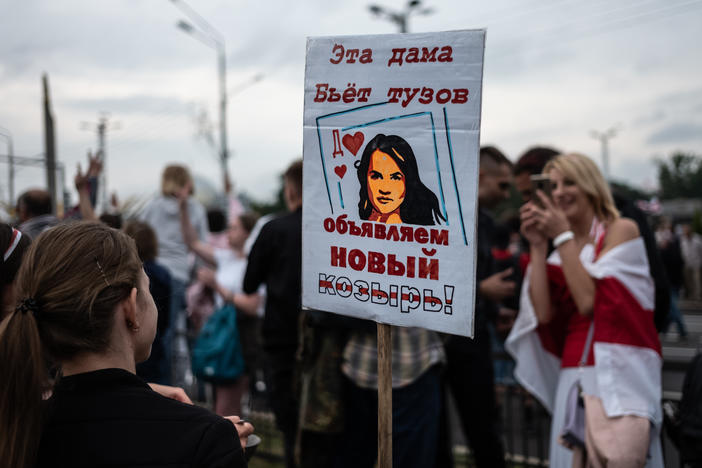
column 217, row 356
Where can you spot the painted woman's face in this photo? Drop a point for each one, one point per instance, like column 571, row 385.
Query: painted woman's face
column 386, row 183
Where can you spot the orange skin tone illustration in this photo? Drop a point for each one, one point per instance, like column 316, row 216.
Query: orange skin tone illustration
column 386, row 188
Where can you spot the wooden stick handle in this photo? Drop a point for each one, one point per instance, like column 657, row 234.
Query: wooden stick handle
column 384, row 396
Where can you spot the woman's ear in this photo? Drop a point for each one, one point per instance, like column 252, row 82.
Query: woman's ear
column 129, row 307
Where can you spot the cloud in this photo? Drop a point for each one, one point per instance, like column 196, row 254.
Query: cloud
column 676, row 133
column 684, row 97
column 649, row 118
column 551, row 74
column 138, row 103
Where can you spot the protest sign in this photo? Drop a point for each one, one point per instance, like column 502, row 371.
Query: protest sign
column 391, row 142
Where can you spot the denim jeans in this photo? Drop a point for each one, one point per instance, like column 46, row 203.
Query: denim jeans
column 674, row 315
column 176, row 340
column 416, row 412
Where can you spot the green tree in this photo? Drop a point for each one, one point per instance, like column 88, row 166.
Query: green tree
column 630, row 192
column 697, row 222
column 264, row 207
column 680, row 176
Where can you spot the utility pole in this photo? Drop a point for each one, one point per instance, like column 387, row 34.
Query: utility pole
column 101, row 128
column 204, row 32
column 604, row 138
column 7, row 135
column 49, row 144
column 38, row 161
column 400, row 18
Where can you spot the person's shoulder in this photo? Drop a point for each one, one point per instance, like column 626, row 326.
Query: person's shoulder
column 156, row 201
column 157, row 271
column 622, row 230
column 277, row 222
column 213, row 438
column 195, row 206
column 153, row 206
column 164, row 408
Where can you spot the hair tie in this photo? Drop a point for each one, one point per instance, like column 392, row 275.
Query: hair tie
column 28, row 305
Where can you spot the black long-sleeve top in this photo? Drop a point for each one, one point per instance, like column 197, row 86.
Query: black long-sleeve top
column 276, row 260
column 111, row 417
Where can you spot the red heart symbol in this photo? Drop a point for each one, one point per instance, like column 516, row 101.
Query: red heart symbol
column 353, row 142
column 340, row 170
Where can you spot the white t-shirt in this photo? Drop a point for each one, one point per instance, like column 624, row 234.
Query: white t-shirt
column 230, row 272
column 163, row 215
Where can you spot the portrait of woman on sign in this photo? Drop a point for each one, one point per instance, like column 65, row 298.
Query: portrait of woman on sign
column 391, row 191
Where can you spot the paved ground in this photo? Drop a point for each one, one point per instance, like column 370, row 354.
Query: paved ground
column 526, row 432
column 677, row 353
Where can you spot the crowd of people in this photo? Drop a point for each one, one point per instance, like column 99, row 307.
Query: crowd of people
column 575, row 286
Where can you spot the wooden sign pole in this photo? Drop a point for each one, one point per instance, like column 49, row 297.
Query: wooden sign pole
column 384, row 395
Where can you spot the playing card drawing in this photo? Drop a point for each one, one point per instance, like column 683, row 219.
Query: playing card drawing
column 390, row 177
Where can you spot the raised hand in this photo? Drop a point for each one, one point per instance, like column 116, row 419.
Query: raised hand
column 497, row 287
column 530, row 228
column 183, row 193
column 80, row 180
column 95, row 163
column 243, row 428
column 174, row 393
column 552, row 220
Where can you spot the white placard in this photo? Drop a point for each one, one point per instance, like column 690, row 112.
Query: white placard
column 391, row 142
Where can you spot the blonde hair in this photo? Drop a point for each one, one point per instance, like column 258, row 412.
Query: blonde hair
column 585, row 174
column 174, row 178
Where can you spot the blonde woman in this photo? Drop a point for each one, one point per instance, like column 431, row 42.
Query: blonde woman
column 163, row 215
column 597, row 278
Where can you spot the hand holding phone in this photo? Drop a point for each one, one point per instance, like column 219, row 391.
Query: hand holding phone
column 543, row 183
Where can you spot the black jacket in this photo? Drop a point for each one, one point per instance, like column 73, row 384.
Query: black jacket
column 276, row 260
column 111, row 417
column 485, row 309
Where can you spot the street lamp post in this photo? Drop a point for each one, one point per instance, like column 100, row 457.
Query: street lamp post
column 400, row 17
column 212, row 38
column 604, row 138
column 7, row 135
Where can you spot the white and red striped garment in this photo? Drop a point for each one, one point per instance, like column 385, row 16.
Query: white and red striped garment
column 627, row 352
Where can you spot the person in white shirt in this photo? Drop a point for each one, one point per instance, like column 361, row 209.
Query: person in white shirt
column 163, row 216
column 691, row 247
column 227, row 281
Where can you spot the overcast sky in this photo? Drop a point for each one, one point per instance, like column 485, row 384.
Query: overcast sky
column 554, row 71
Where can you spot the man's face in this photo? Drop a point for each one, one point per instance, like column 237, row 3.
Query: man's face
column 22, row 211
column 293, row 199
column 522, row 182
column 494, row 185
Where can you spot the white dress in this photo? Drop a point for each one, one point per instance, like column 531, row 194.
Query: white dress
column 627, row 371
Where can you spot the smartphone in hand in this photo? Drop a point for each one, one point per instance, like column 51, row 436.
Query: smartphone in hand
column 540, row 182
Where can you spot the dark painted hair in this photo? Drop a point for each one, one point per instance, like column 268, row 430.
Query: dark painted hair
column 420, row 205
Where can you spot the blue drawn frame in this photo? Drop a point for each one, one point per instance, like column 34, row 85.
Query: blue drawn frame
column 436, row 155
